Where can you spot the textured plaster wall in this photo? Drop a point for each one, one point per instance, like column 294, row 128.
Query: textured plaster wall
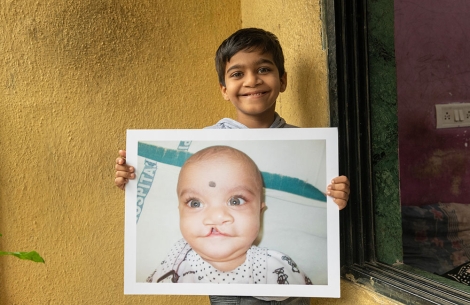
column 299, row 29
column 73, row 77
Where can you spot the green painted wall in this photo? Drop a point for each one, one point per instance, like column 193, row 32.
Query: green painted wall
column 383, row 101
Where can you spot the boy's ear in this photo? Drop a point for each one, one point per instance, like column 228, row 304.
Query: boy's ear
column 223, row 90
column 283, row 82
column 263, row 206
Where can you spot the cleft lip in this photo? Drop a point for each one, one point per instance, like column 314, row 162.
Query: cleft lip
column 215, row 232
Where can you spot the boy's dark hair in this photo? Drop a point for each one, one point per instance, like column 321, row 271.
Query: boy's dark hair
column 248, row 39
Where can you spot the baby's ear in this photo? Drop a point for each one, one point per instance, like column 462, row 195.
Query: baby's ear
column 263, row 206
column 223, row 90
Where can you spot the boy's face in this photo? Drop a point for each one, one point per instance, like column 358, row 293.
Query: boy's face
column 220, row 203
column 252, row 83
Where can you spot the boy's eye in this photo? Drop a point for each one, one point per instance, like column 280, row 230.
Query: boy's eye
column 193, row 203
column 236, row 74
column 263, row 70
column 236, row 201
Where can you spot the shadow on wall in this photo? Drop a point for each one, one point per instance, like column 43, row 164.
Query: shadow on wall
column 2, row 287
column 307, row 102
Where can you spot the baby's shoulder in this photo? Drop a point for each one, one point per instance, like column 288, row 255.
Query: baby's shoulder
column 269, row 257
column 280, row 268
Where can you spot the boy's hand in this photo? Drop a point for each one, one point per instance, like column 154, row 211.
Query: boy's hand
column 339, row 191
column 124, row 172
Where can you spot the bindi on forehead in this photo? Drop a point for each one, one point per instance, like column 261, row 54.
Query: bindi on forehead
column 212, row 184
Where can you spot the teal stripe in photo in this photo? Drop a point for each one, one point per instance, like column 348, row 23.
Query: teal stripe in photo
column 272, row 181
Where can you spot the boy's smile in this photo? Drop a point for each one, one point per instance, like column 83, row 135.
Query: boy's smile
column 252, row 84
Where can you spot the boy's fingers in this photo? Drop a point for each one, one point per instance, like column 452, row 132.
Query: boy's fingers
column 124, row 174
column 122, row 157
column 340, row 180
column 124, row 168
column 339, row 187
column 340, row 195
column 120, row 182
column 340, row 202
column 120, row 160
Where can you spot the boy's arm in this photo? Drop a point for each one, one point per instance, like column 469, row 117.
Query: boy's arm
column 339, row 191
column 124, row 172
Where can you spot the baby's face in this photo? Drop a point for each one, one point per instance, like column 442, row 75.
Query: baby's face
column 220, row 203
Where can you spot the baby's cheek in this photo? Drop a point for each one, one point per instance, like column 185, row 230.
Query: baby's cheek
column 186, row 227
column 253, row 231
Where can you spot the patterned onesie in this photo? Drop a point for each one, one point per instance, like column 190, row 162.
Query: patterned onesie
column 262, row 266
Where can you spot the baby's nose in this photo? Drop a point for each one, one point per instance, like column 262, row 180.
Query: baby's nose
column 217, row 216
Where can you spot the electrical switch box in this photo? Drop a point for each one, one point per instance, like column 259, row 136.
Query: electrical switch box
column 452, row 115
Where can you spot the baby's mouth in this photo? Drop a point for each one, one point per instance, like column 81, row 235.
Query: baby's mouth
column 215, row 232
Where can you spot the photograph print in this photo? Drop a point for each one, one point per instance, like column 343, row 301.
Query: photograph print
column 232, row 212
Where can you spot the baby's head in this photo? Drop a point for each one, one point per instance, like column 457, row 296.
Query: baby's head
column 220, row 194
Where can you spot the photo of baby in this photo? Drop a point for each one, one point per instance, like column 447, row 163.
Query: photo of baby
column 250, row 212
column 221, row 198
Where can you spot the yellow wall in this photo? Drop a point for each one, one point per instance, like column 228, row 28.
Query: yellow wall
column 299, row 29
column 74, row 75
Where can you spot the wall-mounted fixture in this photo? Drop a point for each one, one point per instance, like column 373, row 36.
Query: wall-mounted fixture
column 452, row 115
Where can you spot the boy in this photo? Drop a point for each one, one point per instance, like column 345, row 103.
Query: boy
column 250, row 66
column 220, row 218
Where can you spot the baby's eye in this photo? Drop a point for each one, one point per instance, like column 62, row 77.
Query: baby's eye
column 236, row 201
column 194, row 203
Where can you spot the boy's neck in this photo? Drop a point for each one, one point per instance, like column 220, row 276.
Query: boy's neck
column 264, row 120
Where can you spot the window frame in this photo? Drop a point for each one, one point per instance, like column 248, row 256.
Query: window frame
column 346, row 25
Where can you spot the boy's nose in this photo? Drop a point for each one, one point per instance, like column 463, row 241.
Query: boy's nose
column 252, row 80
column 217, row 216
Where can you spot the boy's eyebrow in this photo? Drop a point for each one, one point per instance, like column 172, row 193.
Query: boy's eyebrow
column 258, row 62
